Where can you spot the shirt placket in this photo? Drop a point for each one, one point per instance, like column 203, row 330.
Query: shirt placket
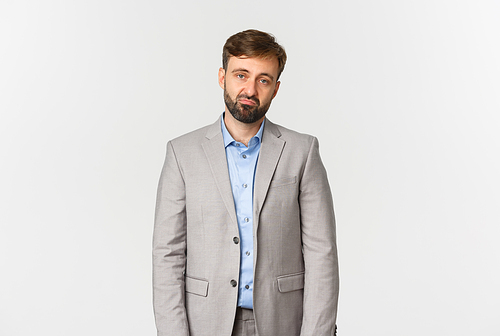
column 246, row 180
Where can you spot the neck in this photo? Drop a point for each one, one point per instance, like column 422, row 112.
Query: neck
column 240, row 131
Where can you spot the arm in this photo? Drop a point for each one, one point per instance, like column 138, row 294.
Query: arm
column 321, row 287
column 169, row 251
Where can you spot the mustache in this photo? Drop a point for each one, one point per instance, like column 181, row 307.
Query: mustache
column 252, row 98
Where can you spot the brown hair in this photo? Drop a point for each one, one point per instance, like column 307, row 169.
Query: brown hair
column 254, row 43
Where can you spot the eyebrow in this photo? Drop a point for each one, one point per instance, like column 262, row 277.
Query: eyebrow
column 245, row 70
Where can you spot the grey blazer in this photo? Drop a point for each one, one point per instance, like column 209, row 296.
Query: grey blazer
column 196, row 257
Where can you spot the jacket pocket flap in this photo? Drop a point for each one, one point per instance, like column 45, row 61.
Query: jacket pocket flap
column 283, row 181
column 196, row 286
column 291, row 282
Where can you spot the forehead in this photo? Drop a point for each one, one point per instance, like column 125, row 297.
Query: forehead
column 254, row 65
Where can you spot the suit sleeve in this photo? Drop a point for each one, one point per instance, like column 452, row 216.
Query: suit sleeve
column 321, row 286
column 169, row 250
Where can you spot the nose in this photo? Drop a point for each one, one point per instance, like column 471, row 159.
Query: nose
column 250, row 89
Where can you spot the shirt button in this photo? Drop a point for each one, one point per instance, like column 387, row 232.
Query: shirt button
column 247, row 253
column 247, row 286
column 236, row 240
column 237, row 145
column 244, row 156
column 245, row 185
column 233, row 283
column 247, row 219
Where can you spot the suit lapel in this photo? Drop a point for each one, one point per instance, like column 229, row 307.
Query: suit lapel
column 270, row 153
column 213, row 145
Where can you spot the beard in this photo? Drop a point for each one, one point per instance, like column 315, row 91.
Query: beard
column 247, row 114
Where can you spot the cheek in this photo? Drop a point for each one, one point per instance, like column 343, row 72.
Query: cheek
column 232, row 88
column 268, row 96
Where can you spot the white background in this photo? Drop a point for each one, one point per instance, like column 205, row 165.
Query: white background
column 403, row 96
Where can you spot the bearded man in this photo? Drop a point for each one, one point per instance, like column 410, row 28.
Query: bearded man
column 244, row 240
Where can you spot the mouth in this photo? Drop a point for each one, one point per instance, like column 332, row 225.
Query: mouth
column 247, row 102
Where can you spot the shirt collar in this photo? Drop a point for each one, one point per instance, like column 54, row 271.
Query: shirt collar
column 228, row 139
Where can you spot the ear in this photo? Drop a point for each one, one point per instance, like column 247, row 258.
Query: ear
column 276, row 89
column 222, row 76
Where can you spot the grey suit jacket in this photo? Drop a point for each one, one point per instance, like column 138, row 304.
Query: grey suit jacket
column 196, row 258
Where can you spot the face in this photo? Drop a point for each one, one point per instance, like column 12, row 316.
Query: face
column 249, row 84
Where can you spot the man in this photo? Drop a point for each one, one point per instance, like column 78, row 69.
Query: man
column 244, row 239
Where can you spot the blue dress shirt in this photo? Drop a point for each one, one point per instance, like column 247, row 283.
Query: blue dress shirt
column 241, row 163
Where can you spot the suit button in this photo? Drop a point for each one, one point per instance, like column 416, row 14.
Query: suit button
column 233, row 283
column 236, row 240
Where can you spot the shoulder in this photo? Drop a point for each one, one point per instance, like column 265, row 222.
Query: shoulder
column 296, row 139
column 192, row 137
column 193, row 140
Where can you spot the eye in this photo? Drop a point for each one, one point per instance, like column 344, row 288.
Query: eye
column 240, row 76
column 264, row 81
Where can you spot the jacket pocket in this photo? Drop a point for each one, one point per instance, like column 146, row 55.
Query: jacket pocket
column 196, row 286
column 291, row 282
column 283, row 181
